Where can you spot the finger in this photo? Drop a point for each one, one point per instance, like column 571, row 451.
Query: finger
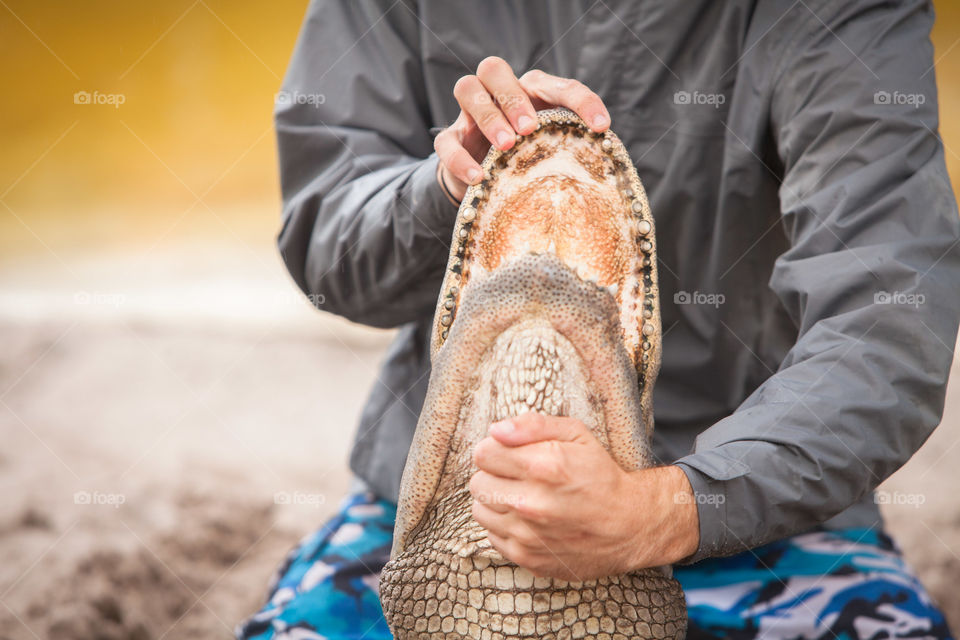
column 472, row 138
column 499, row 494
column 537, row 461
column 501, row 83
column 569, row 93
column 506, row 526
column 531, row 557
column 495, row 458
column 508, row 548
column 455, row 157
column 531, row 427
column 476, row 102
column 493, row 521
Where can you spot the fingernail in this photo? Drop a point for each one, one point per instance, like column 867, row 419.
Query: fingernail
column 600, row 121
column 525, row 123
column 473, row 175
column 503, row 139
column 503, row 427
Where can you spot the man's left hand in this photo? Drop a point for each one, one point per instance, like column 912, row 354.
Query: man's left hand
column 555, row 502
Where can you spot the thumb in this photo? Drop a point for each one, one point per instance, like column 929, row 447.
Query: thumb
column 531, row 427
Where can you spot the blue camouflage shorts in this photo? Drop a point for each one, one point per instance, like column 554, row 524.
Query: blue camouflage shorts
column 836, row 585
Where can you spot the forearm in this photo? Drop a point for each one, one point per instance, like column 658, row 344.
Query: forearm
column 856, row 397
column 372, row 248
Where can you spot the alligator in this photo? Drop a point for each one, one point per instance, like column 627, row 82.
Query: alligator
column 549, row 304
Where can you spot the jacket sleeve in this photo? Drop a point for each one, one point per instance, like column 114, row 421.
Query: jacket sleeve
column 366, row 227
column 871, row 280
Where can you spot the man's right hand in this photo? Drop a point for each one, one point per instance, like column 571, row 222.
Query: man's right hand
column 495, row 106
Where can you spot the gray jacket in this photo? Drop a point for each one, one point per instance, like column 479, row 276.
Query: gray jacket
column 808, row 235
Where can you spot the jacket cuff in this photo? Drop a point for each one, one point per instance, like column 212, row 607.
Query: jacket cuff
column 430, row 204
column 708, row 477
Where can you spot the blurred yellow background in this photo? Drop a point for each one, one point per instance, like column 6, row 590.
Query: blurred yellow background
column 191, row 148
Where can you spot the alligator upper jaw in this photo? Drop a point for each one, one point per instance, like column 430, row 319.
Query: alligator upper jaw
column 533, row 307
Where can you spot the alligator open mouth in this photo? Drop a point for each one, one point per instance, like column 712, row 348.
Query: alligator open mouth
column 549, row 304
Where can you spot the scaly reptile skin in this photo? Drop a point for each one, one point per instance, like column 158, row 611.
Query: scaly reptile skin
column 549, row 304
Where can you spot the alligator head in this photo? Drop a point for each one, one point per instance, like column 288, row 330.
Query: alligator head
column 549, row 304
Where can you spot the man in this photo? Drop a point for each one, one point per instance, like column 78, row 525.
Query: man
column 803, row 210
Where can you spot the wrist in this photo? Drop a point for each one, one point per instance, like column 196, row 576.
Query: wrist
column 682, row 510
column 450, row 185
column 665, row 525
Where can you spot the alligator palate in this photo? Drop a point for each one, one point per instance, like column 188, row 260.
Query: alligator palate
column 549, row 304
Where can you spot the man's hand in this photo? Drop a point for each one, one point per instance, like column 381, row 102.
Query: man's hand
column 554, row 501
column 495, row 106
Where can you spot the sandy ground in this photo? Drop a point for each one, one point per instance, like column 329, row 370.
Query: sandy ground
column 171, row 424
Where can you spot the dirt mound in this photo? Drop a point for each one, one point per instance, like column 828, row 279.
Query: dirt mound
column 161, row 588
